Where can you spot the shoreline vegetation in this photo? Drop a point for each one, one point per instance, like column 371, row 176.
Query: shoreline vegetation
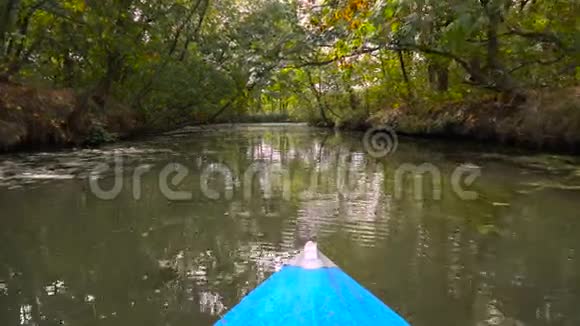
column 33, row 118
column 549, row 120
column 78, row 73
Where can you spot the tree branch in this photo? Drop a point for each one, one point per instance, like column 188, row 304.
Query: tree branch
column 337, row 58
column 539, row 62
column 428, row 50
column 540, row 36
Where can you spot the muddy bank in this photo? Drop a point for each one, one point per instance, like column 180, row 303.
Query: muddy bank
column 547, row 120
column 44, row 118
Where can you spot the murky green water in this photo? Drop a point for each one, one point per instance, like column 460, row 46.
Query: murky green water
column 509, row 257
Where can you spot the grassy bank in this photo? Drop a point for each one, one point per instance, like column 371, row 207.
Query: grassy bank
column 546, row 120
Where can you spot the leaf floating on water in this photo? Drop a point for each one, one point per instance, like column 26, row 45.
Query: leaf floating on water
column 487, row 229
column 525, row 192
column 498, row 204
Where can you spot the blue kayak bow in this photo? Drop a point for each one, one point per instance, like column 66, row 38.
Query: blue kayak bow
column 311, row 290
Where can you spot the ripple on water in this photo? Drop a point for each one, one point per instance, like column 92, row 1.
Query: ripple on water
column 37, row 168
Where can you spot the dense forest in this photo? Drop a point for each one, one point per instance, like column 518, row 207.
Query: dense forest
column 88, row 71
column 191, row 209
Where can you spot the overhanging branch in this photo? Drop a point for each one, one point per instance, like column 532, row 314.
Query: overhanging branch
column 337, row 58
column 537, row 62
column 545, row 37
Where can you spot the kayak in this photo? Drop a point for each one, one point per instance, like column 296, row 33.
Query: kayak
column 311, row 290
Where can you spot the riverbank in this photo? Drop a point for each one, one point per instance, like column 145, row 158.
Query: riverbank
column 42, row 118
column 34, row 118
column 547, row 120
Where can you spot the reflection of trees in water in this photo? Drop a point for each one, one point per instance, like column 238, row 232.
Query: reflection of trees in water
column 153, row 262
column 444, row 255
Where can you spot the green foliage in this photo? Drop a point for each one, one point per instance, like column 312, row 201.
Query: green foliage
column 366, row 56
column 178, row 62
column 99, row 135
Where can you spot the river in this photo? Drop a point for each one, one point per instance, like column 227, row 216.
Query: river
column 176, row 229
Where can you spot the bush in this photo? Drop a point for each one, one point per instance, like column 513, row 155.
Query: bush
column 99, row 135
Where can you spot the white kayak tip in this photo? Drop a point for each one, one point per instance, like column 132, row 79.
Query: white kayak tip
column 311, row 258
column 310, row 250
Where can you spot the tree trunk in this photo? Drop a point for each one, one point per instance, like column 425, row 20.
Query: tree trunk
column 68, row 70
column 443, row 79
column 404, row 72
column 386, row 73
column 438, row 76
column 195, row 35
column 493, row 41
column 14, row 53
column 318, row 98
column 498, row 77
column 115, row 60
column 112, row 75
column 353, row 99
column 6, row 14
column 432, row 74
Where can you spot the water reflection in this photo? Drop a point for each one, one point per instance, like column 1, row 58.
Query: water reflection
column 69, row 258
